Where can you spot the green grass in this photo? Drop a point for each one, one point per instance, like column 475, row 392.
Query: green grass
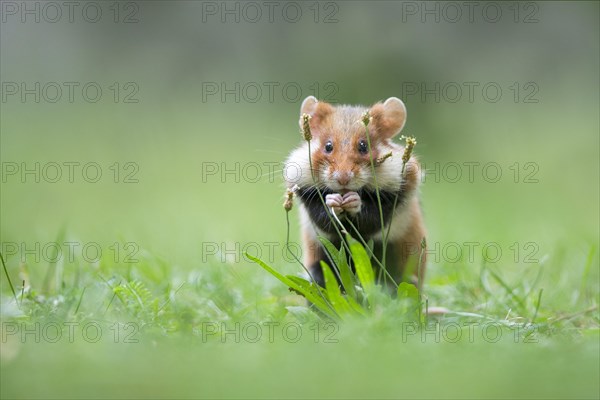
column 174, row 309
column 171, row 332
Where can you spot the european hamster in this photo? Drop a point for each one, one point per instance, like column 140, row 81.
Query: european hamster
column 342, row 171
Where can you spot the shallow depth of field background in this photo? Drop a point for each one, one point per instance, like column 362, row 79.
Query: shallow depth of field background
column 188, row 222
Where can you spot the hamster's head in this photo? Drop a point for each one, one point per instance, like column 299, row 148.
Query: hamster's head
column 342, row 147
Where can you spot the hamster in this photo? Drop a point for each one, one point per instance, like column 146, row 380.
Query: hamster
column 342, row 172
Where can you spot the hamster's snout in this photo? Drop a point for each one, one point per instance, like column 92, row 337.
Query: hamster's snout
column 342, row 177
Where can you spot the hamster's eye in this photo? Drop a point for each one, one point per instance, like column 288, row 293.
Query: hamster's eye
column 328, row 147
column 363, row 148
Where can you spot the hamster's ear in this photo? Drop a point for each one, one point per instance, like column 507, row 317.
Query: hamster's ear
column 309, row 105
column 388, row 118
column 319, row 111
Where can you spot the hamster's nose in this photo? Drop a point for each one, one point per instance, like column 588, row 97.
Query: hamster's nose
column 343, row 178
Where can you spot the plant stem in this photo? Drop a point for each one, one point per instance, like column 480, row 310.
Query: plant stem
column 12, row 288
column 419, row 265
column 419, row 278
column 387, row 235
column 80, row 299
column 343, row 230
column 383, row 237
column 537, row 307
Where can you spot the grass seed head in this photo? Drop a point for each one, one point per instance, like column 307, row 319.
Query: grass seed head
column 411, row 142
column 366, row 118
column 306, row 133
column 289, row 198
column 381, row 159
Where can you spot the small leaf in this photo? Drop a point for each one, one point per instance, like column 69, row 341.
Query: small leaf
column 329, row 246
column 339, row 258
column 362, row 263
column 313, row 293
column 356, row 306
column 371, row 248
column 408, row 291
column 333, row 290
column 348, row 277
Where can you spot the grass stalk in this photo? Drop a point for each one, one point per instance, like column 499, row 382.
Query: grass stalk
column 80, row 299
column 366, row 120
column 537, row 306
column 12, row 288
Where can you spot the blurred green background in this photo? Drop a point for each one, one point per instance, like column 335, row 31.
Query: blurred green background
column 169, row 57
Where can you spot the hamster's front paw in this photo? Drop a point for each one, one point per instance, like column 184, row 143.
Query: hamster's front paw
column 351, row 203
column 334, row 201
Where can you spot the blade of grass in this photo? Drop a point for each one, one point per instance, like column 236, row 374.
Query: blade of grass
column 537, row 306
column 353, row 281
column 333, row 291
column 587, row 268
column 53, row 271
column 112, row 290
column 320, row 302
column 332, row 256
column 80, row 299
column 508, row 289
column 339, row 259
column 378, row 195
column 315, row 291
column 362, row 264
column 366, row 246
column 12, row 288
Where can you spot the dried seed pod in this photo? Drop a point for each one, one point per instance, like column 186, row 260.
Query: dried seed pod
column 289, row 198
column 366, row 118
column 381, row 159
column 306, row 133
column 411, row 142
